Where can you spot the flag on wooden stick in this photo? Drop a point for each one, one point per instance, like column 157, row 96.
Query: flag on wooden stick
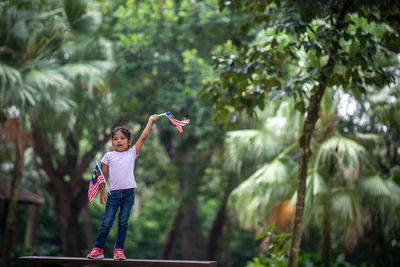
column 177, row 123
column 97, row 179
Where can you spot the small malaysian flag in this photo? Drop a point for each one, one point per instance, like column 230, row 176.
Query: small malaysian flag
column 177, row 123
column 97, row 179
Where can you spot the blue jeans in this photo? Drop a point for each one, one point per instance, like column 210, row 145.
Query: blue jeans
column 124, row 200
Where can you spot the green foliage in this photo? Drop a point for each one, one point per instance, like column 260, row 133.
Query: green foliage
column 278, row 245
column 264, row 261
column 311, row 260
column 301, row 51
column 340, row 168
column 290, row 56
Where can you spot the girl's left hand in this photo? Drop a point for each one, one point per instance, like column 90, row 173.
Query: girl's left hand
column 103, row 199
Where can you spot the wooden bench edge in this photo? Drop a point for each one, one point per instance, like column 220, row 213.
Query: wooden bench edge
column 110, row 261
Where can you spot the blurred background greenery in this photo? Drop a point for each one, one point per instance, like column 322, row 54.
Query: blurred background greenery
column 262, row 82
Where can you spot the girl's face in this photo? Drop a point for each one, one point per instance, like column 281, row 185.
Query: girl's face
column 120, row 141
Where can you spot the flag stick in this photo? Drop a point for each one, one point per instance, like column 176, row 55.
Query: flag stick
column 103, row 177
column 161, row 114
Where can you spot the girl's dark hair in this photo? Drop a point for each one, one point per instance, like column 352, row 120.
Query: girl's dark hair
column 123, row 130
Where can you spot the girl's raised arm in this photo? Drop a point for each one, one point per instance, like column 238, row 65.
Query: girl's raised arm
column 145, row 133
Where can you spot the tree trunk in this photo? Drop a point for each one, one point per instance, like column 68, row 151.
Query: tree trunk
column 376, row 248
column 186, row 218
column 10, row 227
column 326, row 234
column 30, row 231
column 67, row 221
column 380, row 242
column 370, row 243
column 174, row 231
column 305, row 139
column 215, row 235
column 226, row 250
column 90, row 235
column 193, row 247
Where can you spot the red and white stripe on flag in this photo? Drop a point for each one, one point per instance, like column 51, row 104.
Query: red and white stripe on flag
column 97, row 179
column 177, row 123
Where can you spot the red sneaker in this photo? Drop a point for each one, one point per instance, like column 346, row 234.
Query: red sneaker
column 97, row 253
column 119, row 254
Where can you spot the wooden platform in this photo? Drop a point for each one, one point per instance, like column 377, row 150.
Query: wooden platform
column 39, row 260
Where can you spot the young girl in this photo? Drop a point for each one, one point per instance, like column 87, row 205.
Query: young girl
column 118, row 165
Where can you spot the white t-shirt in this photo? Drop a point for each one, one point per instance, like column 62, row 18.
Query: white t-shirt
column 121, row 166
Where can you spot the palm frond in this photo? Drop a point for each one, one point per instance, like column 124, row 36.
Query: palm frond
column 82, row 15
column 104, row 65
column 347, row 209
column 317, row 190
column 386, row 104
column 85, row 48
column 90, row 74
column 375, row 186
column 389, row 112
column 343, row 151
column 395, row 192
column 286, row 122
column 236, row 148
column 89, row 22
column 13, row 89
column 252, row 209
column 9, row 77
column 267, row 142
column 381, row 195
column 28, row 95
column 73, row 71
column 53, row 87
column 276, row 172
column 316, row 184
column 393, row 209
column 45, row 77
column 257, row 195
